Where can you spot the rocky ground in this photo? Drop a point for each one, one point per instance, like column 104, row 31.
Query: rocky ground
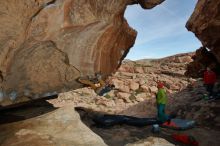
column 134, row 95
column 135, row 83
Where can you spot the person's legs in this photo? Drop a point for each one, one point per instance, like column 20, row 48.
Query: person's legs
column 210, row 89
column 161, row 113
column 165, row 116
column 158, row 111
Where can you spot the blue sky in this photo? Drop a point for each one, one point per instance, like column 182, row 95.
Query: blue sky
column 161, row 30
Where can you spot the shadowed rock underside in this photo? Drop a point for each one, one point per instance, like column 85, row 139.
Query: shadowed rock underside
column 45, row 45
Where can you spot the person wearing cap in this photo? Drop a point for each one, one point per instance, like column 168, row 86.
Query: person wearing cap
column 161, row 100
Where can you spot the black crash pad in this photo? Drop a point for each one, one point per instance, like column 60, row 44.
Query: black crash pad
column 111, row 120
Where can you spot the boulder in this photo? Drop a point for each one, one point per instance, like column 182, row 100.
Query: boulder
column 118, row 83
column 121, row 85
column 167, row 83
column 139, row 70
column 174, row 87
column 142, row 81
column 46, row 45
column 127, row 74
column 149, row 3
column 141, row 97
column 153, row 89
column 124, row 96
column 60, row 127
column 105, row 102
column 146, row 70
column 183, row 59
column 152, row 141
column 126, row 68
column 120, row 104
column 204, row 22
column 134, row 86
column 124, row 88
column 202, row 59
column 145, row 88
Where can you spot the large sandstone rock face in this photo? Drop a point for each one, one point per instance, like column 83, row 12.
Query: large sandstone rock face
column 205, row 23
column 61, row 127
column 152, row 141
column 45, row 45
column 202, row 59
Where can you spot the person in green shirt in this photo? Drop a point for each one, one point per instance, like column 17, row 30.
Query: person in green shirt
column 161, row 99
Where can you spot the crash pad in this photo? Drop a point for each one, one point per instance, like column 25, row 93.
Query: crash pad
column 179, row 124
column 111, row 120
column 185, row 139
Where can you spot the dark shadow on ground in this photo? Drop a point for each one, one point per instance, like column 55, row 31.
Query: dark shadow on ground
column 26, row 110
column 121, row 135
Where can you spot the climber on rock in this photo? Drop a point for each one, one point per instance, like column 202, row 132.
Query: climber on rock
column 97, row 84
column 209, row 81
column 161, row 100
